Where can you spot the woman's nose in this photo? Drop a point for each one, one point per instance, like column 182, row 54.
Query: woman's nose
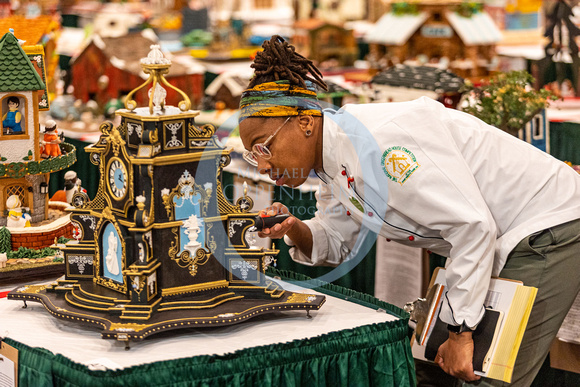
column 263, row 166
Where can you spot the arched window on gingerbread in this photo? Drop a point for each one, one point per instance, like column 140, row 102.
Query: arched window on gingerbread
column 18, row 190
column 13, row 115
column 15, row 209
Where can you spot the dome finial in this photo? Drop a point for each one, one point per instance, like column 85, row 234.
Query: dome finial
column 156, row 65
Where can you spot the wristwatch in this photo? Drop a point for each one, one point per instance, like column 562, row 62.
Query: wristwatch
column 458, row 328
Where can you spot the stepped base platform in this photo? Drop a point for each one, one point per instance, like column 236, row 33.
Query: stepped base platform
column 119, row 319
column 31, row 271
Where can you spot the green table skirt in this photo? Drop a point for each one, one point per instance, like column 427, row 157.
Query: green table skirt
column 370, row 355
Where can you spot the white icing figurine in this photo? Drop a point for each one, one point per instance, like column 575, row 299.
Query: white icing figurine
column 15, row 216
column 111, row 258
column 192, row 232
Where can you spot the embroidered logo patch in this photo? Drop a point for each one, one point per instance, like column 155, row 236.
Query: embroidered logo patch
column 399, row 163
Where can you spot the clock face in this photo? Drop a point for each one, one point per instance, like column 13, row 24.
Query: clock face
column 118, row 178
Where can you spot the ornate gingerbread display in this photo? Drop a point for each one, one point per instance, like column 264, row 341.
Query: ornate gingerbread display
column 160, row 247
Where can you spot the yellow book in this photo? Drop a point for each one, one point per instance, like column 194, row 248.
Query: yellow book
column 513, row 302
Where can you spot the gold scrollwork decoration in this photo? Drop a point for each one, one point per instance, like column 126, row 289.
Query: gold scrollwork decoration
column 245, row 204
column 165, row 198
column 130, row 103
column 267, row 261
column 212, row 243
column 205, row 131
column 107, row 214
column 106, row 127
column 109, row 283
column 153, row 136
column 184, row 259
column 138, row 283
column 225, row 160
column 174, row 247
column 185, row 103
column 117, row 140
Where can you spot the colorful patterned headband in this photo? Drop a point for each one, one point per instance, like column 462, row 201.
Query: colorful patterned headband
column 279, row 99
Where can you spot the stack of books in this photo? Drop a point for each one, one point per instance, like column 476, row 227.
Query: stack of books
column 498, row 336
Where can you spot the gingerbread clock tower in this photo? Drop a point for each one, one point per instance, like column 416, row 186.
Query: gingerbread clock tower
column 160, row 247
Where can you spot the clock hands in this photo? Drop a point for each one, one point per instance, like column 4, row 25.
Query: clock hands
column 118, row 179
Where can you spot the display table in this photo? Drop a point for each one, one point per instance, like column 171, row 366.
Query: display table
column 354, row 339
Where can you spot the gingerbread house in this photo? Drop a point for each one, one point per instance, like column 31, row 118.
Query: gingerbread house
column 405, row 83
column 227, row 88
column 22, row 171
column 461, row 35
column 322, row 41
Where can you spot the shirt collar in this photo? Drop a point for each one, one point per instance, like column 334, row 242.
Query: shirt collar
column 329, row 143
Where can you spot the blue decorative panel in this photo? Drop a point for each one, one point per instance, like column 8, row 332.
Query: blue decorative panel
column 537, row 131
column 187, row 201
column 186, row 206
column 112, row 254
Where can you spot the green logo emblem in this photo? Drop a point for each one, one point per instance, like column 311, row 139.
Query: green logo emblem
column 399, row 163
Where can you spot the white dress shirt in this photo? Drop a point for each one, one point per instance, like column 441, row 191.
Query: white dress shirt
column 436, row 178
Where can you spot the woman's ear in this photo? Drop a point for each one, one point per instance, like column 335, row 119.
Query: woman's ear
column 306, row 124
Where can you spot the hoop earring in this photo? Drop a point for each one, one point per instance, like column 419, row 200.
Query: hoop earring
column 308, row 133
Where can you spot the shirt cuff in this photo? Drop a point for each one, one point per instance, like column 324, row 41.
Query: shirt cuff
column 319, row 246
column 447, row 316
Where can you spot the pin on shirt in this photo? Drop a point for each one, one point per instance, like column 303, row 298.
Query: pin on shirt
column 350, row 185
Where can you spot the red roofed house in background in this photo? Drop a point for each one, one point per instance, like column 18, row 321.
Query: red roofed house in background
column 5, row 8
column 107, row 69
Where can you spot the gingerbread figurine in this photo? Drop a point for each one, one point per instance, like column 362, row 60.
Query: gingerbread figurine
column 11, row 121
column 50, row 142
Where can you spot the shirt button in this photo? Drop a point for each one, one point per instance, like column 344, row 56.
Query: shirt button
column 343, row 173
column 411, row 238
column 370, row 214
column 348, row 213
column 388, row 240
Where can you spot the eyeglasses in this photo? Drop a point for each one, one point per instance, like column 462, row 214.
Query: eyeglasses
column 261, row 149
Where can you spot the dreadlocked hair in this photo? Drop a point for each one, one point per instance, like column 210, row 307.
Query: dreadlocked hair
column 279, row 60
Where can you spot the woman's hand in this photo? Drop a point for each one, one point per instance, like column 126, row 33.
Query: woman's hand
column 279, row 230
column 455, row 356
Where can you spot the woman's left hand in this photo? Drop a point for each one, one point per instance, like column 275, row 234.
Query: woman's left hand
column 279, row 230
column 455, row 356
